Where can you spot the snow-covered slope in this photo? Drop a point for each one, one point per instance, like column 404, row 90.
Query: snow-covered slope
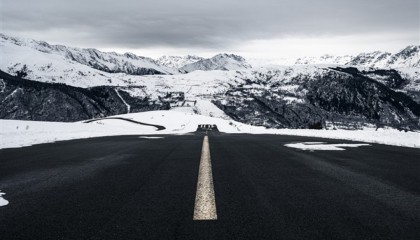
column 25, row 133
column 176, row 62
column 218, row 62
column 41, row 56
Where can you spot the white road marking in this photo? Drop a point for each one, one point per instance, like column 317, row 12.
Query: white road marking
column 205, row 201
column 3, row 202
column 311, row 146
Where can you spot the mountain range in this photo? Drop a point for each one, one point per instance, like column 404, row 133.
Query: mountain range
column 40, row 81
column 408, row 57
column 45, row 56
column 177, row 62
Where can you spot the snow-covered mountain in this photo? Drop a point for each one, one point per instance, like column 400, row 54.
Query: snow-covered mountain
column 96, row 84
column 371, row 59
column 324, row 59
column 41, row 56
column 219, row 62
column 176, row 62
column 408, row 57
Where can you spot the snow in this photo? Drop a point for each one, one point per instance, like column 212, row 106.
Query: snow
column 111, row 60
column 51, row 63
column 3, row 202
column 122, row 99
column 312, row 146
column 386, row 136
column 292, row 100
column 146, row 137
column 18, row 133
column 324, row 60
column 207, row 108
column 218, row 62
column 176, row 62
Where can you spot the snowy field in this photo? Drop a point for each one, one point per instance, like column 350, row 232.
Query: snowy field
column 18, row 133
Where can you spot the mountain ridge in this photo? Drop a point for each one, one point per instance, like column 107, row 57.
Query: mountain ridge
column 408, row 57
column 177, row 62
column 110, row 62
column 222, row 61
column 296, row 96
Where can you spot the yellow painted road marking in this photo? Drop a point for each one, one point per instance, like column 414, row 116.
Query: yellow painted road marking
column 205, row 201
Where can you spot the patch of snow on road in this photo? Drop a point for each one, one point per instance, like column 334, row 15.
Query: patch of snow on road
column 147, row 137
column 312, row 146
column 3, row 202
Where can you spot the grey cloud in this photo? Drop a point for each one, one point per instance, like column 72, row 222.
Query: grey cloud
column 206, row 24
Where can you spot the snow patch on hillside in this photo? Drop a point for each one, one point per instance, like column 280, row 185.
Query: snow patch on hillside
column 122, row 99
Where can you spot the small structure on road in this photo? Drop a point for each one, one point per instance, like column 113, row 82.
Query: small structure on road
column 207, row 127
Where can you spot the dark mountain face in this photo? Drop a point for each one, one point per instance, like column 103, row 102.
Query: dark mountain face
column 343, row 95
column 365, row 98
column 389, row 77
column 31, row 100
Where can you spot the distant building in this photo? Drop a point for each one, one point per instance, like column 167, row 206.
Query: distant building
column 207, row 127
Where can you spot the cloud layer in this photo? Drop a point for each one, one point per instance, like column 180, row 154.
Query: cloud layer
column 205, row 24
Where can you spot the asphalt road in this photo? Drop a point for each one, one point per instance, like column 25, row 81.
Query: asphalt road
column 134, row 188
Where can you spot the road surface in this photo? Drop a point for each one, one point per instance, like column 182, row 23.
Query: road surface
column 129, row 187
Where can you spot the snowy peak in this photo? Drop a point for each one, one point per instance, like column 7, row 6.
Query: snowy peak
column 408, row 57
column 176, row 62
column 110, row 62
column 371, row 59
column 229, row 56
column 222, row 61
column 325, row 59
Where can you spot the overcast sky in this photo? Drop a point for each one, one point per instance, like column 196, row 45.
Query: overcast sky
column 252, row 28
